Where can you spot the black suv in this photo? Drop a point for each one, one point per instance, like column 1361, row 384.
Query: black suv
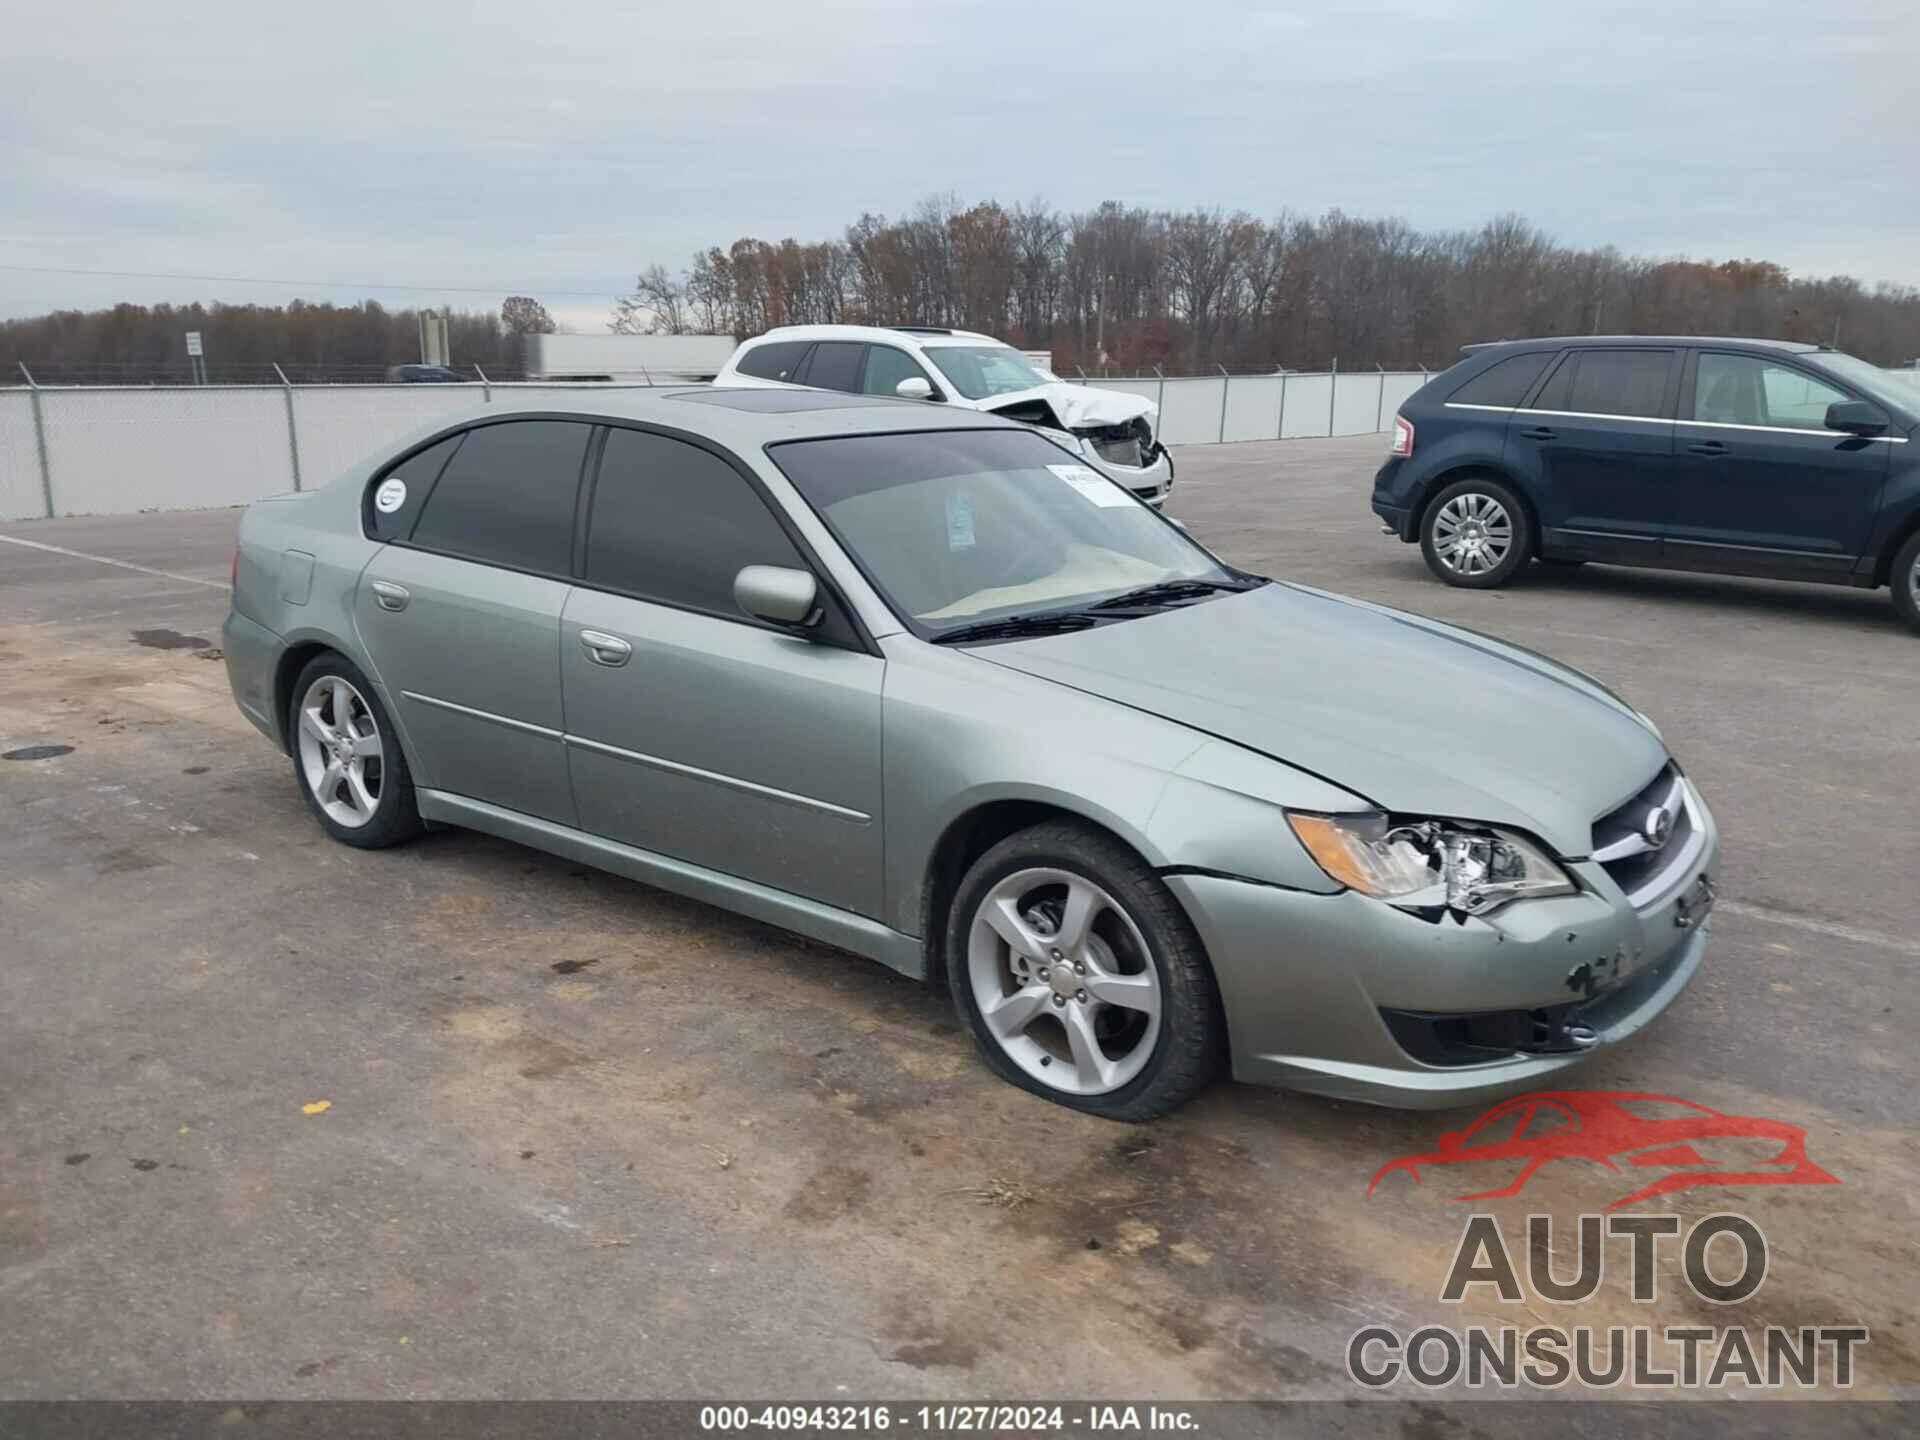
column 1746, row 457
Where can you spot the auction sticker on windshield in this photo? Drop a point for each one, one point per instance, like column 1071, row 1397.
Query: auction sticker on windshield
column 1090, row 483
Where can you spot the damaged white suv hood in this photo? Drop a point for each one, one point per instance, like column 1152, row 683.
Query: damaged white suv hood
column 1077, row 407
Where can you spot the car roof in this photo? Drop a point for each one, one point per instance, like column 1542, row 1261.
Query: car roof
column 931, row 336
column 1555, row 342
column 744, row 418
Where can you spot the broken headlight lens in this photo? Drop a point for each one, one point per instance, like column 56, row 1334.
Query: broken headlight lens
column 1419, row 864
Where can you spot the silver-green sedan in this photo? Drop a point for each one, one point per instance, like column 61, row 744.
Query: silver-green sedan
column 929, row 689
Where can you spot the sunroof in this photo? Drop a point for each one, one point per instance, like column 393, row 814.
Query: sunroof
column 777, row 402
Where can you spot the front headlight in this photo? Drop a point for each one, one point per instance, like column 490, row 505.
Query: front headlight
column 1420, row 864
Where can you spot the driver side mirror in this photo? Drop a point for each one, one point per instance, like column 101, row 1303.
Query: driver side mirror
column 779, row 595
column 1856, row 417
column 915, row 387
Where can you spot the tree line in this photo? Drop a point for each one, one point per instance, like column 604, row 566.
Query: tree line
column 138, row 344
column 1121, row 288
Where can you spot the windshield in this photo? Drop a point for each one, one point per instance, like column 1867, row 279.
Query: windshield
column 1877, row 383
column 959, row 526
column 978, row 371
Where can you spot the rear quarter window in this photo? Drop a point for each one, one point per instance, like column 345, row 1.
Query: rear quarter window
column 393, row 501
column 776, row 360
column 1505, row 383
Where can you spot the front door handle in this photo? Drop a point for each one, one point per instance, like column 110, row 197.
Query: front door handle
column 389, row 596
column 1708, row 448
column 604, row 649
column 1539, row 432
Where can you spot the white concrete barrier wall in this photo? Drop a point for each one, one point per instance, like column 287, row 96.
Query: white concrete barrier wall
column 20, row 494
column 114, row 451
column 117, row 450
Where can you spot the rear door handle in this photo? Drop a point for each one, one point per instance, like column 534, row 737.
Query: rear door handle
column 1539, row 432
column 389, row 596
column 604, row 649
column 1707, row 447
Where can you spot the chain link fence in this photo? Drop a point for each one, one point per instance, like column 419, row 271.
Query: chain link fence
column 99, row 449
column 114, row 449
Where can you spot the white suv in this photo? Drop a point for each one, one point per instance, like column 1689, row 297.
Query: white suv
column 1112, row 430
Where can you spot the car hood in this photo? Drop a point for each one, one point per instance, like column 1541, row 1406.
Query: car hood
column 1078, row 406
column 1412, row 715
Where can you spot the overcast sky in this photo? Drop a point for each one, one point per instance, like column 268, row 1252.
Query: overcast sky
column 560, row 147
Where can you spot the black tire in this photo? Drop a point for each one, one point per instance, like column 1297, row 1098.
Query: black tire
column 1477, row 492
column 1191, row 1040
column 1905, row 580
column 395, row 817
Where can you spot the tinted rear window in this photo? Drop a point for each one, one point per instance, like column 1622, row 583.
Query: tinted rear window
column 415, row 476
column 676, row 523
column 1621, row 382
column 1504, row 384
column 507, row 496
column 774, row 361
column 835, row 365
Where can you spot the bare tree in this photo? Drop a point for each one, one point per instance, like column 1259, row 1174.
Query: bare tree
column 657, row 306
column 523, row 315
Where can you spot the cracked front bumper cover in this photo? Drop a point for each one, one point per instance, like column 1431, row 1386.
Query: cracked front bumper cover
column 1307, row 981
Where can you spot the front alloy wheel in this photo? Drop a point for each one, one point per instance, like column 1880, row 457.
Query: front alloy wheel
column 1064, row 981
column 1080, row 975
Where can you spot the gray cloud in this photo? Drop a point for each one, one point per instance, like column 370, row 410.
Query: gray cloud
column 559, row 148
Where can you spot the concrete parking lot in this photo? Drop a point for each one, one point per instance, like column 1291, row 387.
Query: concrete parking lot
column 280, row 1118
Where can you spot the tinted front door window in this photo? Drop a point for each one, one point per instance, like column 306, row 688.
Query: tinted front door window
column 675, row 523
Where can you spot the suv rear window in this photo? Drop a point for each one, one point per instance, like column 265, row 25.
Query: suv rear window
column 1504, row 384
column 836, row 365
column 1621, row 382
column 775, row 361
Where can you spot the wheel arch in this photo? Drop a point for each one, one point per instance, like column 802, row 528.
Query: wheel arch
column 1903, row 532
column 1477, row 469
column 295, row 658
column 967, row 837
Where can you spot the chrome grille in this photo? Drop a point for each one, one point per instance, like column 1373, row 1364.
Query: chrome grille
column 1643, row 854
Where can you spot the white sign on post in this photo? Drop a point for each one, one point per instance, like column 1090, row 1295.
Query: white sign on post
column 193, row 343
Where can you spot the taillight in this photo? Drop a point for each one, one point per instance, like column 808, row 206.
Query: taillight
column 1402, row 436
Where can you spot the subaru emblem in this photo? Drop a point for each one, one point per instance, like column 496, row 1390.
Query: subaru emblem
column 1658, row 827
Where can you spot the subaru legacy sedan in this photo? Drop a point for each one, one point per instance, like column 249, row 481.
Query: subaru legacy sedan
column 927, row 688
column 1744, row 457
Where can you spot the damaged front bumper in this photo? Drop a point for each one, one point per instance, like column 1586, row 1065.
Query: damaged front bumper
column 1151, row 480
column 1344, row 996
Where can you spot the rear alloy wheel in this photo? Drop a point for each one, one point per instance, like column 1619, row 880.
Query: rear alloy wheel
column 1080, row 976
column 346, row 757
column 1475, row 534
column 1905, row 580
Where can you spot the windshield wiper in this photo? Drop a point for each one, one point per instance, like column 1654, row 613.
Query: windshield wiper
column 1012, row 626
column 1166, row 592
